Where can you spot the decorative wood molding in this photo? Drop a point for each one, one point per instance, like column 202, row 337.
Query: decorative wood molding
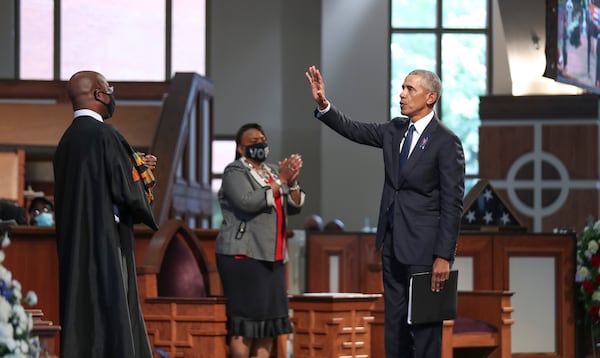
column 331, row 325
column 319, row 250
column 46, row 331
column 57, row 90
column 479, row 247
column 561, row 249
column 560, row 107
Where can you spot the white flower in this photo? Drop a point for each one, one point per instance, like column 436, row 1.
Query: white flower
column 593, row 246
column 6, row 336
column 5, row 310
column 16, row 290
column 5, row 275
column 20, row 320
column 596, row 296
column 582, row 274
column 31, row 298
column 5, row 240
column 22, row 346
column 17, row 354
column 597, row 226
column 16, row 324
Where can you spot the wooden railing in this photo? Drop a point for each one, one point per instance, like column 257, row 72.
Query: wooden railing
column 182, row 141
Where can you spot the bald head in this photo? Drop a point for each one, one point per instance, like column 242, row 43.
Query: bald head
column 90, row 90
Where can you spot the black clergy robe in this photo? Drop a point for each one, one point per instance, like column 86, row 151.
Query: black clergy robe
column 100, row 313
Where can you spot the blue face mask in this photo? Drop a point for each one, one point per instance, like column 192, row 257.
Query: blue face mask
column 44, row 219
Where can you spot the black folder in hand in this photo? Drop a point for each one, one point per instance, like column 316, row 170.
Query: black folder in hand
column 425, row 305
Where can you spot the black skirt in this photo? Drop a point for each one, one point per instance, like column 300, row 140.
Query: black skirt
column 256, row 292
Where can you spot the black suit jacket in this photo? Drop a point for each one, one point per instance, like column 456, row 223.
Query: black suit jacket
column 426, row 196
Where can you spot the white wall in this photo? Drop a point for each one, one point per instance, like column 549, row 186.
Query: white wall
column 355, row 67
column 258, row 52
column 258, row 55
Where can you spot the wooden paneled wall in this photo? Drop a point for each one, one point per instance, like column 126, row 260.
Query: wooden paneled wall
column 32, row 259
column 540, row 153
column 491, row 253
column 12, row 180
column 41, row 124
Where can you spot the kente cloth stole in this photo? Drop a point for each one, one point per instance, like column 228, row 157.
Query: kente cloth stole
column 140, row 171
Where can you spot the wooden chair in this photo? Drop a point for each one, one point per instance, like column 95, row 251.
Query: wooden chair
column 181, row 316
column 313, row 223
column 334, row 225
column 482, row 327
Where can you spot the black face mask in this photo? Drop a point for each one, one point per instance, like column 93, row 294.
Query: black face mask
column 110, row 106
column 257, row 151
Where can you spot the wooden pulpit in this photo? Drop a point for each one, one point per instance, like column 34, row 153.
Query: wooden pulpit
column 332, row 325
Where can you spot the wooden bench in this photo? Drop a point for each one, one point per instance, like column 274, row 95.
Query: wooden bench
column 482, row 327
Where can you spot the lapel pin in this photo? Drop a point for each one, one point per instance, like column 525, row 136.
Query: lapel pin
column 424, row 142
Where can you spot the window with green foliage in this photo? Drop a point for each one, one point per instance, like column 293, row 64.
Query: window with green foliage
column 451, row 38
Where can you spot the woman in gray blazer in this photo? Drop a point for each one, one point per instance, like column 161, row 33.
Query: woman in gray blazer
column 255, row 199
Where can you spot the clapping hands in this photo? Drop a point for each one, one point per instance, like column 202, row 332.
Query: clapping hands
column 289, row 168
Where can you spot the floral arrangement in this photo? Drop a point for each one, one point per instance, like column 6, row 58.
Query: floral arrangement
column 16, row 324
column 588, row 272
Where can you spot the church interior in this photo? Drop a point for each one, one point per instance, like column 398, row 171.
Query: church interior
column 538, row 159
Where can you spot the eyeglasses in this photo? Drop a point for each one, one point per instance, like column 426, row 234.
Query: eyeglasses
column 109, row 90
column 37, row 212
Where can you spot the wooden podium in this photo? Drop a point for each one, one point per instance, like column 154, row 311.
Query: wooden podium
column 332, row 325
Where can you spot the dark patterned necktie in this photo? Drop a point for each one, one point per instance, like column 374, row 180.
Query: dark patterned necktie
column 406, row 145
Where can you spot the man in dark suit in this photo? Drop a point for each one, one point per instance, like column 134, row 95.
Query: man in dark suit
column 421, row 203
